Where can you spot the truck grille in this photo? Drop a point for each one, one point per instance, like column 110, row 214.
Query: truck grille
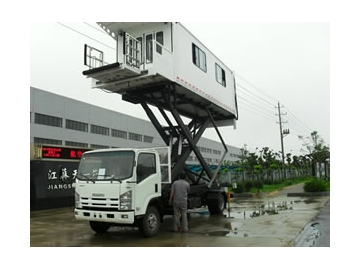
column 104, row 204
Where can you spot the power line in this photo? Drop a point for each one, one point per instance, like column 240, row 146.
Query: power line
column 257, row 112
column 254, row 105
column 303, row 125
column 257, row 88
column 254, row 110
column 291, row 117
column 298, row 127
column 261, row 99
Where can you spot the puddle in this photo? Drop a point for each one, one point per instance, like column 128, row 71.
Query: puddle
column 307, row 201
column 260, row 209
column 217, row 233
column 310, row 201
column 233, row 233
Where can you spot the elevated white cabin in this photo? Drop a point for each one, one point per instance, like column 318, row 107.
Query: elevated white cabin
column 158, row 63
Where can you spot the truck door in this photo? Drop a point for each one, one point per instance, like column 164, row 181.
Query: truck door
column 148, row 182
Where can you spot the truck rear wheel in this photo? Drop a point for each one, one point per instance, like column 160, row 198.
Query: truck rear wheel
column 216, row 205
column 150, row 222
column 99, row 227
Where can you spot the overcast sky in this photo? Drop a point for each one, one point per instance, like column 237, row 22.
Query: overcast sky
column 287, row 63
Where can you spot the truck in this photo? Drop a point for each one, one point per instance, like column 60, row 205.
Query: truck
column 159, row 66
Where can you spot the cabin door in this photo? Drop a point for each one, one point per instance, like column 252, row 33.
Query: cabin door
column 151, row 41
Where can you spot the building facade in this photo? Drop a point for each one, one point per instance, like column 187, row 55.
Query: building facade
column 58, row 120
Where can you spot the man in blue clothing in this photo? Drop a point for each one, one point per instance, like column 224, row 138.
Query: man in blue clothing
column 178, row 198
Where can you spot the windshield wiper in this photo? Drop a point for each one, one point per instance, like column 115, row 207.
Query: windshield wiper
column 86, row 177
column 82, row 175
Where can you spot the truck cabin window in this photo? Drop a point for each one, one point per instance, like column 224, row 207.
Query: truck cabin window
column 117, row 165
column 145, row 166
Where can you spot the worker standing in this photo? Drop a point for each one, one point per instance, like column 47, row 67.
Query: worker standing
column 178, row 198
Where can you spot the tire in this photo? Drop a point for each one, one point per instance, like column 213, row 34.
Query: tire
column 150, row 222
column 99, row 227
column 216, row 205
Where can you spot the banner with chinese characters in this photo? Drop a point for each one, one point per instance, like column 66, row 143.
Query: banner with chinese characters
column 45, row 179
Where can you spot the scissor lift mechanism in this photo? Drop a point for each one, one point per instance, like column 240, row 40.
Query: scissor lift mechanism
column 186, row 136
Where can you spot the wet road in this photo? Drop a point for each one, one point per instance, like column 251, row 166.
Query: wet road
column 272, row 220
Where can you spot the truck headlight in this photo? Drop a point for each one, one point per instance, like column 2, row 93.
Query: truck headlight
column 126, row 201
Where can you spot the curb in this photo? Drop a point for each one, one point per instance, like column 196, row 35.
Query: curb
column 291, row 194
column 316, row 233
column 242, row 195
column 308, row 194
column 307, row 236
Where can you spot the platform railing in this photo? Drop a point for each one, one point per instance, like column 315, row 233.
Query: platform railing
column 93, row 58
column 132, row 51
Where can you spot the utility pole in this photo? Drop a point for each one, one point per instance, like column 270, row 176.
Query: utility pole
column 283, row 133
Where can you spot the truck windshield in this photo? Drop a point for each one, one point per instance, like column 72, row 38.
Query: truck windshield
column 112, row 165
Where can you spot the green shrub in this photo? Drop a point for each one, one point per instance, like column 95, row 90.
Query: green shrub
column 243, row 186
column 248, row 185
column 317, row 185
column 258, row 184
column 239, row 187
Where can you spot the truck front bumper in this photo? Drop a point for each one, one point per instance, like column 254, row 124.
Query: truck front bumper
column 105, row 216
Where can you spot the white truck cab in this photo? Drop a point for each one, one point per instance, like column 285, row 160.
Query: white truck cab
column 121, row 186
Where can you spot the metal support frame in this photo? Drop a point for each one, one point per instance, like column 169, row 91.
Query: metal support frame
column 192, row 141
column 181, row 137
column 181, row 132
column 223, row 143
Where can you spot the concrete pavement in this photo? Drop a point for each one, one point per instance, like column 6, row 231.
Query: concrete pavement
column 288, row 227
column 317, row 232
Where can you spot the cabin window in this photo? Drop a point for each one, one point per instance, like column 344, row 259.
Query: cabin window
column 149, row 49
column 220, row 75
column 159, row 39
column 139, row 48
column 199, row 57
column 146, row 166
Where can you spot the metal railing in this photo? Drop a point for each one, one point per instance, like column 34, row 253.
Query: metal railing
column 93, row 58
column 133, row 51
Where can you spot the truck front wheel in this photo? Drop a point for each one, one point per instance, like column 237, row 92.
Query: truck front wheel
column 99, row 227
column 150, row 222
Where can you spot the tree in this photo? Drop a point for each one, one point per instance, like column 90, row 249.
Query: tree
column 268, row 160
column 258, row 171
column 252, row 161
column 316, row 150
column 302, row 164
